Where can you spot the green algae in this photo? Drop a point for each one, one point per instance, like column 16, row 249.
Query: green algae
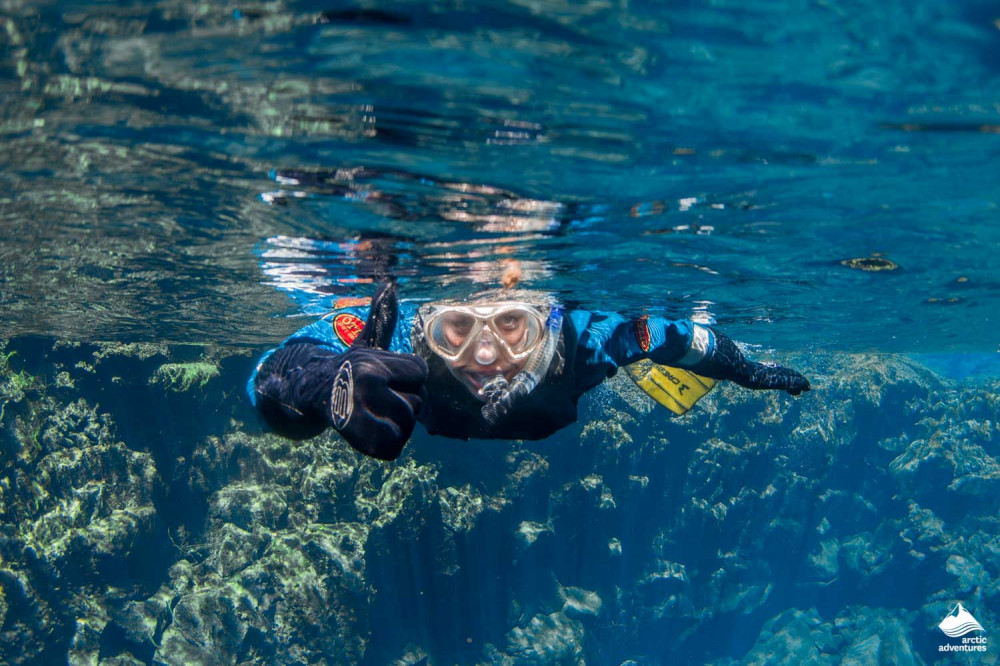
column 408, row 486
column 613, row 431
column 181, row 377
column 20, row 382
column 247, row 504
column 139, row 350
column 460, row 507
column 13, row 382
column 14, row 386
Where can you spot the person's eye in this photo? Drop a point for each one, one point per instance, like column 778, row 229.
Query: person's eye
column 461, row 324
column 510, row 322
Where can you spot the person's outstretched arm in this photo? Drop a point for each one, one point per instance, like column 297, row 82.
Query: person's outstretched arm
column 725, row 361
column 609, row 341
column 370, row 395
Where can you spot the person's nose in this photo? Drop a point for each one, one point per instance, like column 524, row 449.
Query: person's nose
column 486, row 350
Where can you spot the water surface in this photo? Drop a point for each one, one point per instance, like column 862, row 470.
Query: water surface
column 720, row 161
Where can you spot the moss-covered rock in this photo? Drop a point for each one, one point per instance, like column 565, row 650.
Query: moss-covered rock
column 182, row 377
column 548, row 639
column 658, row 530
column 80, row 527
column 460, row 507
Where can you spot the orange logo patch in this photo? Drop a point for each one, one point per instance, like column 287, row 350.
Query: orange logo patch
column 348, row 326
column 642, row 333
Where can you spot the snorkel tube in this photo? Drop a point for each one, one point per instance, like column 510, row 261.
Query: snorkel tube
column 501, row 394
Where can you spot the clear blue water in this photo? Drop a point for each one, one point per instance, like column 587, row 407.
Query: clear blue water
column 716, row 159
column 211, row 175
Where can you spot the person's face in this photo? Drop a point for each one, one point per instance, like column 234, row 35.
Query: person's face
column 485, row 357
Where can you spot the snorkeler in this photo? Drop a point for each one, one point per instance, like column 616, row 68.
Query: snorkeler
column 502, row 365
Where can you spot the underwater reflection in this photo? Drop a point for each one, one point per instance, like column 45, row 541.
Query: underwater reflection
column 410, row 196
column 312, row 269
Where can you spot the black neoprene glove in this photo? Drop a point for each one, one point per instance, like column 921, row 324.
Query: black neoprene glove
column 371, row 396
column 728, row 362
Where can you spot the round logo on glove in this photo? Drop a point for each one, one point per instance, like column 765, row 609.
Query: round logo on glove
column 342, row 396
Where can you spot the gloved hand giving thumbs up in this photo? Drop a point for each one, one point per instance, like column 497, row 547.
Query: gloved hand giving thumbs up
column 370, row 395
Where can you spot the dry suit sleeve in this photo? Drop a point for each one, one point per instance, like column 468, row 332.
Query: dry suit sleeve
column 608, row 341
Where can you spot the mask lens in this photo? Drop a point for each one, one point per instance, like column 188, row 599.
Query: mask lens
column 452, row 330
column 518, row 329
column 515, row 329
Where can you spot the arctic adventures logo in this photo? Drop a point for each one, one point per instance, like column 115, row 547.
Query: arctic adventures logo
column 957, row 624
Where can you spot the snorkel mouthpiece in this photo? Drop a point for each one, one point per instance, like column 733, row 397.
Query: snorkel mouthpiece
column 501, row 395
column 496, row 390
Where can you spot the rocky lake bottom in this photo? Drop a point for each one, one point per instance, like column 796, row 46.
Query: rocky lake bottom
column 145, row 518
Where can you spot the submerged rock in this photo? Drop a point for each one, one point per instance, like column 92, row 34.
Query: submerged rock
column 528, row 531
column 579, row 602
column 782, row 517
column 81, row 531
column 548, row 639
column 794, row 637
column 460, row 507
column 857, row 636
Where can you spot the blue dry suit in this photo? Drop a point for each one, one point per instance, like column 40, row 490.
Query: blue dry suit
column 593, row 346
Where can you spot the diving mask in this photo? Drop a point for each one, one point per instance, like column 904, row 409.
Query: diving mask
column 513, row 329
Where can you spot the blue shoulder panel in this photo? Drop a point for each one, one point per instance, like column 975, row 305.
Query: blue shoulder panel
column 608, row 341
